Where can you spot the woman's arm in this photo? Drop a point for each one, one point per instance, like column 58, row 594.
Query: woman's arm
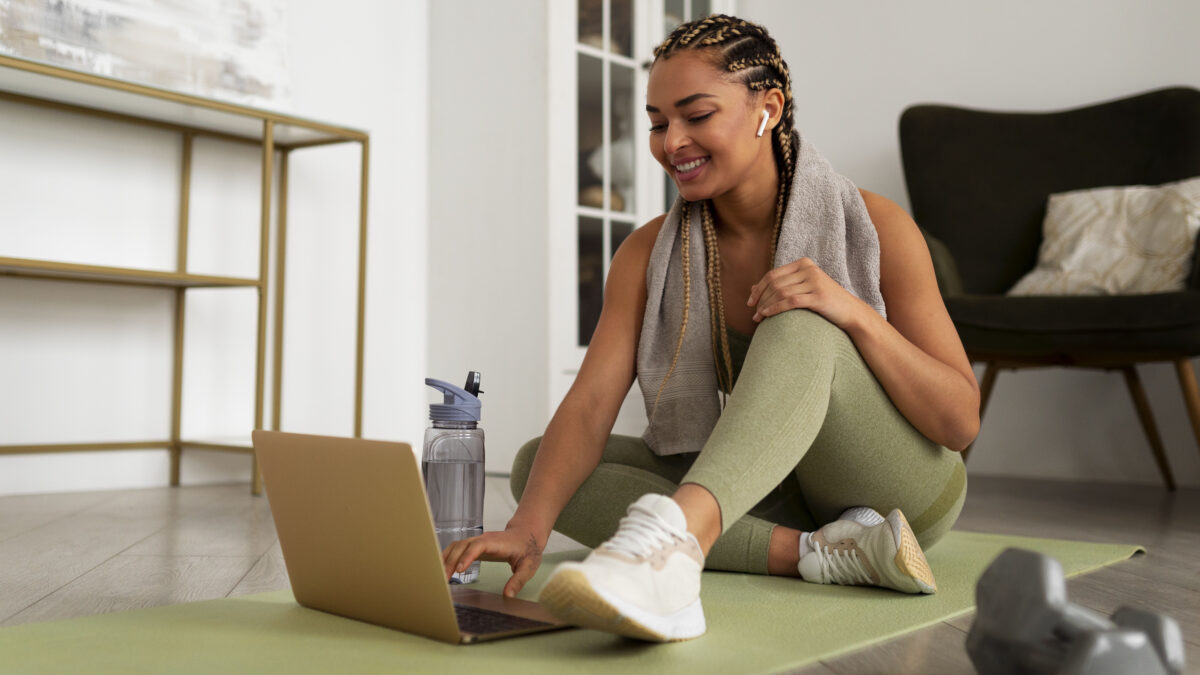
column 915, row 354
column 575, row 438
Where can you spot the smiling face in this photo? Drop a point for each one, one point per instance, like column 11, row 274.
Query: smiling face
column 703, row 126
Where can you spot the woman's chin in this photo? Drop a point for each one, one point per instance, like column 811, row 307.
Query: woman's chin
column 693, row 193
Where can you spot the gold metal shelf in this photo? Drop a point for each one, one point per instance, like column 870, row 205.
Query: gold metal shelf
column 46, row 269
column 277, row 135
column 42, row 84
column 223, row 445
column 84, row 447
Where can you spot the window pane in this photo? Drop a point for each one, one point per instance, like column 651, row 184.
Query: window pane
column 591, row 132
column 621, row 27
column 591, row 23
column 619, row 232
column 591, row 276
column 672, row 15
column 701, row 9
column 622, row 139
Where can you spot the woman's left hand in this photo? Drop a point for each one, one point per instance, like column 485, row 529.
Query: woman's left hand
column 804, row 285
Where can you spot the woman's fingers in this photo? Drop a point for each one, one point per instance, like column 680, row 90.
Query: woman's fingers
column 490, row 546
column 460, row 554
column 451, row 555
column 799, row 301
column 767, row 292
column 797, row 285
column 523, row 557
column 778, row 277
column 523, row 571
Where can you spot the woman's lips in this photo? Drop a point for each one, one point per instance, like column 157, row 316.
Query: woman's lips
column 689, row 170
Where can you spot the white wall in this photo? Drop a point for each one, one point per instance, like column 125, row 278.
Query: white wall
column 83, row 363
column 856, row 66
column 488, row 249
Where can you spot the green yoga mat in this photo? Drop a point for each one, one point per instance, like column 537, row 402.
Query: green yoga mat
column 755, row 624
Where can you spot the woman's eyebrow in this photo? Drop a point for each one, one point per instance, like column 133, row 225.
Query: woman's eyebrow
column 683, row 101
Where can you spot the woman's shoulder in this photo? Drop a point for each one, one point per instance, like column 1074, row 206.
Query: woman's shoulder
column 881, row 209
column 632, row 258
column 892, row 223
column 640, row 243
column 646, row 235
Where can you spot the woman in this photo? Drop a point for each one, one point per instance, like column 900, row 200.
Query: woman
column 838, row 414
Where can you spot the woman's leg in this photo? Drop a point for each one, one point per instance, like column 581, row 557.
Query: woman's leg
column 629, row 469
column 803, row 390
column 806, row 403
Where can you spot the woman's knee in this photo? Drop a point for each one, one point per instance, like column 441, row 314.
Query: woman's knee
column 804, row 321
column 521, row 466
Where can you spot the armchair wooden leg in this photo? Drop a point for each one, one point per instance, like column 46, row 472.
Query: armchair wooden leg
column 1191, row 393
column 985, row 392
column 1143, row 408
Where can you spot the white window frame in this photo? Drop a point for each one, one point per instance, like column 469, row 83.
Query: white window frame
column 565, row 355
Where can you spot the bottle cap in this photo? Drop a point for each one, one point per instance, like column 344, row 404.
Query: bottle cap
column 458, row 405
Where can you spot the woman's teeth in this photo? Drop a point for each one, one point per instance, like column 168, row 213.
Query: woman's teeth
column 690, row 166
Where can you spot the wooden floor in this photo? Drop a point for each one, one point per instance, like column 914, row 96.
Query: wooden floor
column 78, row 554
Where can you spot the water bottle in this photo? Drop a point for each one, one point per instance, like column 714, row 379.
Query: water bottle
column 452, row 464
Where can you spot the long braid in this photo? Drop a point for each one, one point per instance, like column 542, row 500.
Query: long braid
column 724, row 376
column 748, row 51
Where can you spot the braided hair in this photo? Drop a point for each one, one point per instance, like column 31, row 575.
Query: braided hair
column 744, row 50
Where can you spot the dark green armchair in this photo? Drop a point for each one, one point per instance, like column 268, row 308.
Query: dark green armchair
column 978, row 182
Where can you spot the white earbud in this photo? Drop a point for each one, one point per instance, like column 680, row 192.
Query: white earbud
column 762, row 127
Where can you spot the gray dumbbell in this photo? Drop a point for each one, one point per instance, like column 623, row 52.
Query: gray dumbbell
column 1163, row 632
column 1024, row 624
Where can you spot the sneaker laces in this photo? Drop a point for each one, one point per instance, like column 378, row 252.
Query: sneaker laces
column 841, row 566
column 639, row 533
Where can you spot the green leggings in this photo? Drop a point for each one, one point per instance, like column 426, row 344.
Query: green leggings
column 807, row 433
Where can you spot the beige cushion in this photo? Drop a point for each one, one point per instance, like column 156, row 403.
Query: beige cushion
column 1116, row 241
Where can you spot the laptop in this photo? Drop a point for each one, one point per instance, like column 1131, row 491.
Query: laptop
column 358, row 541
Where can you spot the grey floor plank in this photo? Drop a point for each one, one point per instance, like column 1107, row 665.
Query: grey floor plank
column 22, row 513
column 43, row 560
column 242, row 533
column 268, row 574
column 937, row 649
column 129, row 582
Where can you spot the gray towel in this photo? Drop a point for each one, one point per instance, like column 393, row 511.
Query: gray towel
column 825, row 220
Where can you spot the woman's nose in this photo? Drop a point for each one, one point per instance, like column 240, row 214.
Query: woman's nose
column 674, row 139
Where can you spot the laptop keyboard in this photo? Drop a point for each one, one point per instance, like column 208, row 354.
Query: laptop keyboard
column 484, row 621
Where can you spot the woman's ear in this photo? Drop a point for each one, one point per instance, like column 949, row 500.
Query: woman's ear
column 773, row 104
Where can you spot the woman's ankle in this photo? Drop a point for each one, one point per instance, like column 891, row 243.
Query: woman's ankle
column 784, row 553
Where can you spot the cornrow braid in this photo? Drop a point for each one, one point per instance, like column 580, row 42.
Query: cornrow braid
column 746, row 51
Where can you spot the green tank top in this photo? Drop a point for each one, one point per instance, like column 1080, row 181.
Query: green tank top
column 738, row 345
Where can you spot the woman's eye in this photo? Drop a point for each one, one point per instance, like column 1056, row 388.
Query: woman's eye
column 700, row 118
column 655, row 128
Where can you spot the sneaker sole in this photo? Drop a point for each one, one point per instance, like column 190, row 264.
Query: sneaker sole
column 570, row 596
column 910, row 559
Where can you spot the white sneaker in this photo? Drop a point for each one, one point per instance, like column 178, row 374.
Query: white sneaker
column 643, row 583
column 885, row 554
